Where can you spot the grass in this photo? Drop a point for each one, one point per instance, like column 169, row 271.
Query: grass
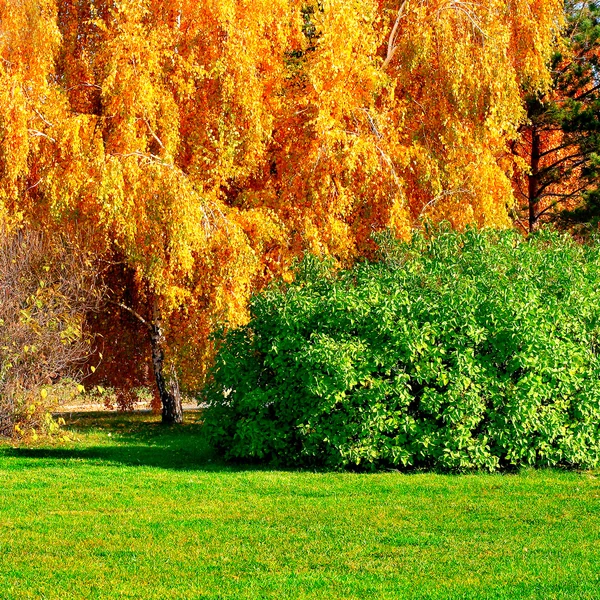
column 131, row 509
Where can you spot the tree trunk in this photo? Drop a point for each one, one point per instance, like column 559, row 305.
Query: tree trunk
column 532, row 192
column 170, row 397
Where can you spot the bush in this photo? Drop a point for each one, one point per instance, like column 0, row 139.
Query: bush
column 463, row 351
column 46, row 289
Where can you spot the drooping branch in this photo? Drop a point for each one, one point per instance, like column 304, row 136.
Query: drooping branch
column 156, row 138
column 444, row 194
column 465, row 8
column 391, row 45
column 37, row 133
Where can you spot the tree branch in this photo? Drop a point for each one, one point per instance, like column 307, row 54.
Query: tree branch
column 587, row 93
column 560, row 200
column 581, row 155
column 132, row 312
column 391, row 48
column 561, row 147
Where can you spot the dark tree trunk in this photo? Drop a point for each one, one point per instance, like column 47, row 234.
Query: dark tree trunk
column 534, row 183
column 170, row 397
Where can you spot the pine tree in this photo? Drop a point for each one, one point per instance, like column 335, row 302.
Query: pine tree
column 560, row 143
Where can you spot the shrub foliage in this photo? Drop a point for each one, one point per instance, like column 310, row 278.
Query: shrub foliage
column 457, row 351
column 47, row 287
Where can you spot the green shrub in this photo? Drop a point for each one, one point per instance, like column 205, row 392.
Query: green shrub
column 462, row 351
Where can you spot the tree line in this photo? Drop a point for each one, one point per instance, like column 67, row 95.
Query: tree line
column 195, row 150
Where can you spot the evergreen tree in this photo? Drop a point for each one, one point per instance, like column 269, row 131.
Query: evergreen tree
column 560, row 143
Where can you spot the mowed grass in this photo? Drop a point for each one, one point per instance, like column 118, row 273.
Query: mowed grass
column 132, row 509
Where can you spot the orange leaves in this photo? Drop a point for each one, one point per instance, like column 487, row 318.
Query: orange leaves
column 333, row 115
column 208, row 143
column 458, row 69
column 535, row 27
column 29, row 39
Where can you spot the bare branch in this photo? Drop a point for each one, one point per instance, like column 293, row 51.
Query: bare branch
column 41, row 116
column 37, row 133
column 444, row 194
column 132, row 312
column 391, row 45
column 47, row 288
column 152, row 133
column 84, row 84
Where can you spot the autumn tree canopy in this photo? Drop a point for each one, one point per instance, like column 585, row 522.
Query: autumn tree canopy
column 208, row 143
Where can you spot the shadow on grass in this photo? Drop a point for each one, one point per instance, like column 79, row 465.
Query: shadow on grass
column 129, row 455
column 132, row 439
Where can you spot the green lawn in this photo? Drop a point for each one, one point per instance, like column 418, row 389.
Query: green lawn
column 131, row 509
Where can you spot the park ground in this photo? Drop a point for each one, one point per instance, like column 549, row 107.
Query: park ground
column 127, row 508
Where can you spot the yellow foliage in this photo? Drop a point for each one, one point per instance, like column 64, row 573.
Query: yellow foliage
column 208, row 143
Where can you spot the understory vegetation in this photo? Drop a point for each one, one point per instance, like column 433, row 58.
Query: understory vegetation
column 47, row 289
column 456, row 351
